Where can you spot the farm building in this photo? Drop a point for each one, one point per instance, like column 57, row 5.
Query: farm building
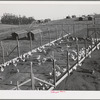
column 80, row 18
column 40, row 21
column 68, row 17
column 19, row 34
column 90, row 18
column 47, row 20
column 35, row 34
column 97, row 15
column 73, row 16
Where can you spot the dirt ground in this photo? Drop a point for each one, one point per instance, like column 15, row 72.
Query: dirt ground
column 86, row 77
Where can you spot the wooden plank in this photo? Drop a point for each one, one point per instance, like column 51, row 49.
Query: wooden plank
column 74, row 30
column 40, row 39
column 29, row 80
column 49, row 35
column 43, row 81
column 67, row 61
column 96, row 39
column 18, row 86
column 91, row 41
column 2, row 47
column 54, row 74
column 54, row 71
column 18, row 48
column 56, row 33
column 62, row 30
column 87, row 31
column 77, row 47
column 30, row 42
column 32, row 78
column 85, row 45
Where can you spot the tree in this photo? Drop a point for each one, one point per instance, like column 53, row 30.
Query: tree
column 14, row 19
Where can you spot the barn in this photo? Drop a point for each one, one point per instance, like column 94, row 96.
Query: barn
column 35, row 34
column 90, row 18
column 80, row 18
column 19, row 34
column 68, row 17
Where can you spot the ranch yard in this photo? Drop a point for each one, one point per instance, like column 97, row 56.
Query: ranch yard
column 39, row 66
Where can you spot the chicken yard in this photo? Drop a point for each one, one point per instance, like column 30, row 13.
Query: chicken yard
column 50, row 58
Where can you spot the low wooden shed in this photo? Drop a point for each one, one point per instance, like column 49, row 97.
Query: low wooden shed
column 19, row 34
column 34, row 34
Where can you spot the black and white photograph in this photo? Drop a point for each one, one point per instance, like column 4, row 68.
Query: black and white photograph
column 49, row 46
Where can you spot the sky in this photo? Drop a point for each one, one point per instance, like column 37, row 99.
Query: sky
column 49, row 10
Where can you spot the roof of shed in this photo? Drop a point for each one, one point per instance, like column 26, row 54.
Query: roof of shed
column 36, row 31
column 21, row 32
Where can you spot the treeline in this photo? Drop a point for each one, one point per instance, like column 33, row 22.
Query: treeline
column 16, row 20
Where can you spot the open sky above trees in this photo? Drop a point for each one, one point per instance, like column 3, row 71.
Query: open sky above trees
column 49, row 10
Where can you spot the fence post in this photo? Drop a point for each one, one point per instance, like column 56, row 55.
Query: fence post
column 18, row 49
column 87, row 31
column 74, row 30
column 49, row 36
column 30, row 41
column 54, row 71
column 77, row 47
column 96, row 39
column 56, row 33
column 32, row 78
column 40, row 39
column 3, row 58
column 85, row 43
column 68, row 28
column 54, row 74
column 91, row 41
column 68, row 61
column 8, row 50
column 62, row 31
column 18, row 86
